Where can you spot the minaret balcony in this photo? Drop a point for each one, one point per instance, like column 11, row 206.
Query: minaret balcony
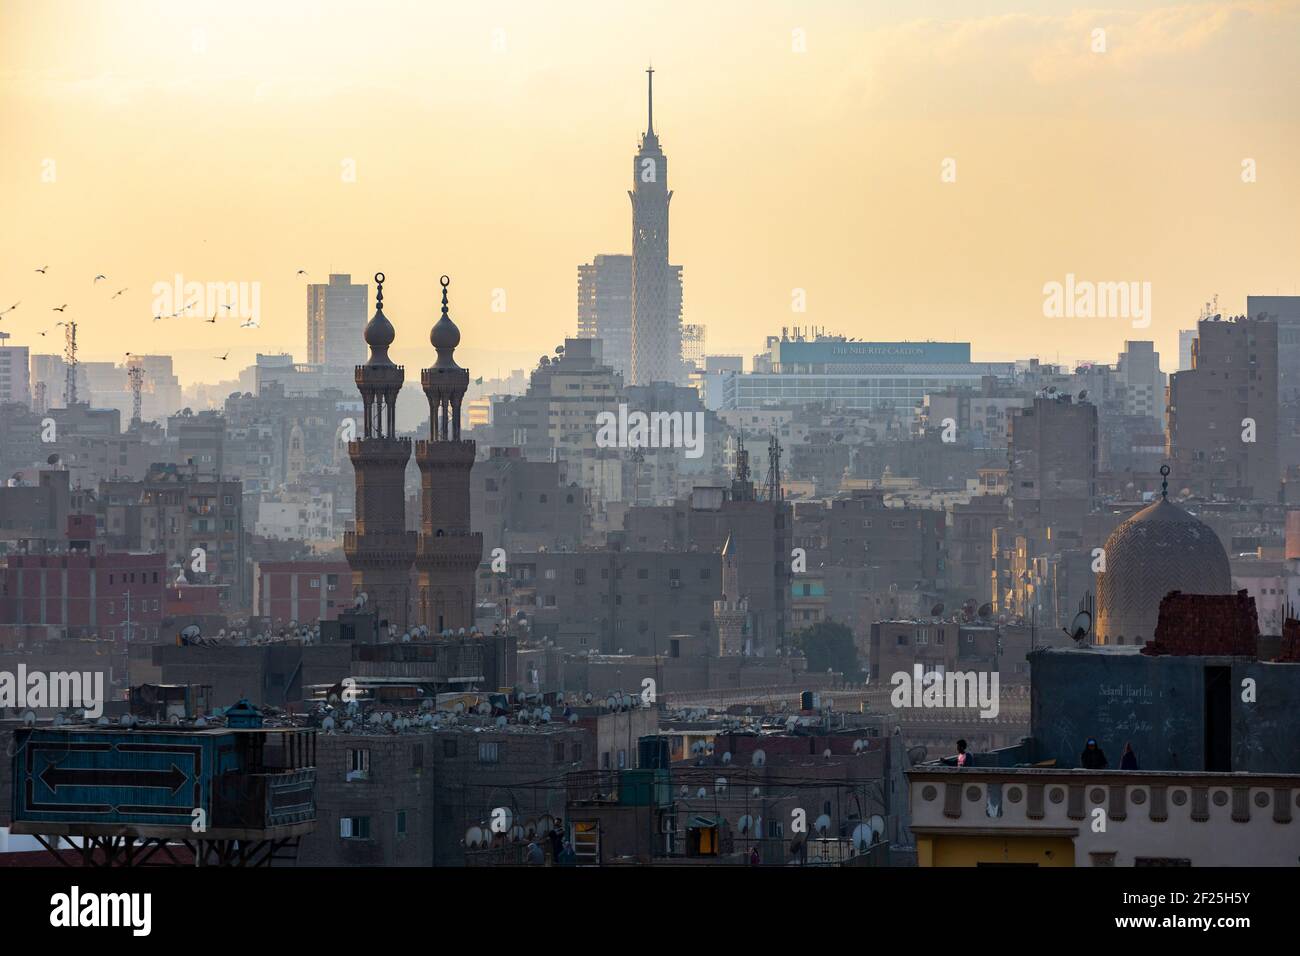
column 381, row 547
column 455, row 453
column 379, row 451
column 450, row 550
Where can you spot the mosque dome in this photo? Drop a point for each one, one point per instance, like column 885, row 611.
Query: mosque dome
column 1160, row 549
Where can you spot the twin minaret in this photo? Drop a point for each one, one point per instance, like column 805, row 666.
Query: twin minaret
column 445, row 553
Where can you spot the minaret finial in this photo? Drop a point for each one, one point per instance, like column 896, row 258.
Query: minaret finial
column 444, row 281
column 650, row 92
column 1164, row 483
column 379, row 292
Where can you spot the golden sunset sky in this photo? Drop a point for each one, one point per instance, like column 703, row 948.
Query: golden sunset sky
column 493, row 141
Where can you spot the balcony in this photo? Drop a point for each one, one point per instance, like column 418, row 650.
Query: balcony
column 1103, row 817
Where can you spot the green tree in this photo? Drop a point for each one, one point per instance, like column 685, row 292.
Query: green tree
column 830, row 645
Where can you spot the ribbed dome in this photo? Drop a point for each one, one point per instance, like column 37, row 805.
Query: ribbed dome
column 379, row 331
column 1160, row 549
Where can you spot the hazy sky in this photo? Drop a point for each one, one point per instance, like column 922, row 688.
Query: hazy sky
column 494, row 142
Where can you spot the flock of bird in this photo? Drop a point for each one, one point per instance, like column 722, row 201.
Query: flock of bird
column 185, row 311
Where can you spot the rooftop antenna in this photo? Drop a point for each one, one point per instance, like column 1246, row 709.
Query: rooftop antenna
column 135, row 375
column 773, row 468
column 70, row 362
column 650, row 99
column 1164, row 482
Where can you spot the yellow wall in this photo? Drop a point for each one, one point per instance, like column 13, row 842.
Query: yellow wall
column 974, row 850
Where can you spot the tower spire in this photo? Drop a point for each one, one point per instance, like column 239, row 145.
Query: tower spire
column 650, row 99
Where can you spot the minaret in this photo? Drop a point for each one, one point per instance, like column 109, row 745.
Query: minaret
column 656, row 315
column 381, row 551
column 449, row 551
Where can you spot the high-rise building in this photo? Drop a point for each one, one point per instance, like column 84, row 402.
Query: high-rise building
column 335, row 313
column 1052, row 462
column 381, row 551
column 449, row 552
column 656, row 285
column 1223, row 413
column 1285, row 311
column 1185, row 339
column 605, row 308
column 1144, row 384
column 15, row 380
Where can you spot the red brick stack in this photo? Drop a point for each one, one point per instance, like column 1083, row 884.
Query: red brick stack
column 1219, row 624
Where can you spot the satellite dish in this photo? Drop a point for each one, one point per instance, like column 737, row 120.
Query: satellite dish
column 1080, row 626
column 720, row 785
column 52, row 460
column 573, row 718
column 862, row 837
column 936, row 610
column 822, row 824
column 29, row 718
column 759, row 758
column 916, row 754
column 877, row 826
column 501, row 721
column 745, row 824
column 701, row 793
column 985, row 611
column 327, row 725
column 726, row 758
column 475, row 838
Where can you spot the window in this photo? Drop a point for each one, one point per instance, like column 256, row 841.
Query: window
column 489, row 752
column 354, row 828
column 401, row 824
column 417, row 755
column 449, row 747
column 559, row 753
column 358, row 765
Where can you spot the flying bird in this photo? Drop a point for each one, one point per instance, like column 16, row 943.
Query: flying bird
column 213, row 320
column 223, row 357
column 250, row 324
column 302, row 272
column 59, row 308
column 42, row 269
column 118, row 292
column 12, row 307
column 98, row 277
